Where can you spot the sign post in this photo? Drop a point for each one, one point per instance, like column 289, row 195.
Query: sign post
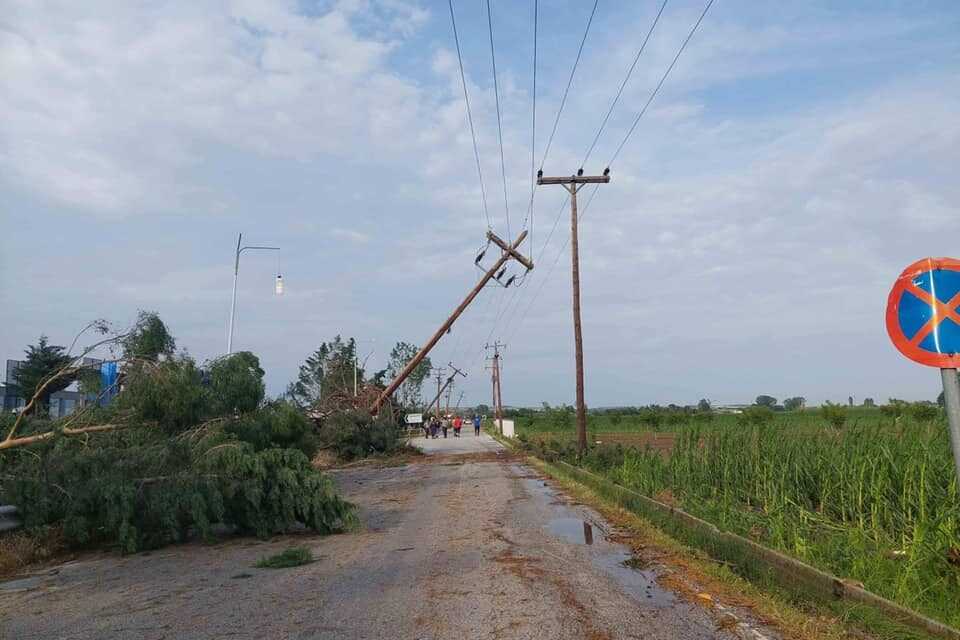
column 951, row 400
column 923, row 320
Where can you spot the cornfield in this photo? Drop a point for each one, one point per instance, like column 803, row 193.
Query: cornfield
column 877, row 503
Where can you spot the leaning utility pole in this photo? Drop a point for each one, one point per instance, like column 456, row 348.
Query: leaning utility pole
column 573, row 184
column 508, row 252
column 440, row 390
column 495, row 379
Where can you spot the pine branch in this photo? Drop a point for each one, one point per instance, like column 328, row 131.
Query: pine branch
column 10, row 443
column 68, row 369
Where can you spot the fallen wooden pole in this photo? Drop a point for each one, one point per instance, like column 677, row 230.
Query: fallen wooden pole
column 509, row 252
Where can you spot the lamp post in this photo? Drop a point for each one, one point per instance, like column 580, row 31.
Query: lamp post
column 364, row 362
column 236, row 272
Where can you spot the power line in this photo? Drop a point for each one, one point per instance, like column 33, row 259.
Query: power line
column 496, row 93
column 553, row 131
column 533, row 125
column 466, row 99
column 624, row 83
column 606, row 118
column 660, row 84
column 553, row 266
column 614, row 157
column 563, row 100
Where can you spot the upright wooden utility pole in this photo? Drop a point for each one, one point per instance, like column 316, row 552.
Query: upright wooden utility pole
column 573, row 184
column 439, row 371
column 508, row 252
column 495, row 379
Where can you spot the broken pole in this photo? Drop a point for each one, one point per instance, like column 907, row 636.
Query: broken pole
column 508, row 252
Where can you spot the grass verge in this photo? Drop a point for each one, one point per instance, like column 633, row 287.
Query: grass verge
column 292, row 557
column 797, row 613
column 21, row 549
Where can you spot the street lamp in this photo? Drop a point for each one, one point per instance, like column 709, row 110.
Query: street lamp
column 236, row 272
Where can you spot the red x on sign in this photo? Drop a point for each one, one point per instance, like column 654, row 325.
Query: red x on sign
column 923, row 312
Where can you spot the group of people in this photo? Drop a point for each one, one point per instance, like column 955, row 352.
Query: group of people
column 435, row 424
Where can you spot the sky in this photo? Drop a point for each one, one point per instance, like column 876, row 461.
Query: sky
column 796, row 159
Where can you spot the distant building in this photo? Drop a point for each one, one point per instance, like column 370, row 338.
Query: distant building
column 730, row 408
column 10, row 397
column 62, row 403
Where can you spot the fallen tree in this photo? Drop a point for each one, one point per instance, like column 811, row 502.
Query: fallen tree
column 179, row 449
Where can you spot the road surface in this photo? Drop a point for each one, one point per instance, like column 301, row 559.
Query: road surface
column 465, row 543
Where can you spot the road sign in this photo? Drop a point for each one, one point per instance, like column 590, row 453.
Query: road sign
column 923, row 320
column 923, row 312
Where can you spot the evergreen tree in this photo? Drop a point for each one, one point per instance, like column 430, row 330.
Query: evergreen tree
column 326, row 372
column 42, row 361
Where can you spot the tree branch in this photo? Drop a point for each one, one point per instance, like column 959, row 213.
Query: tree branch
column 63, row 371
column 10, row 443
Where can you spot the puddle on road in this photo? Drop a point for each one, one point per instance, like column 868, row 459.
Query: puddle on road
column 613, row 559
column 573, row 530
column 23, row 584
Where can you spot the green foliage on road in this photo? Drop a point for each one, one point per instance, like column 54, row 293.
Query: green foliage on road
column 292, row 557
column 181, row 449
column 356, row 434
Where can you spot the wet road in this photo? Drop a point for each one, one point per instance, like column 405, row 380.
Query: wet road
column 467, row 543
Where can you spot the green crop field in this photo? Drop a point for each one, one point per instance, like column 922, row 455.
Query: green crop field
column 870, row 496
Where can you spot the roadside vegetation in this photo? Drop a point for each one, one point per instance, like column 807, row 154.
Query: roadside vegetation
column 292, row 557
column 866, row 493
column 182, row 449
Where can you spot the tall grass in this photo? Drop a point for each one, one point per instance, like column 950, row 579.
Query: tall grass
column 875, row 501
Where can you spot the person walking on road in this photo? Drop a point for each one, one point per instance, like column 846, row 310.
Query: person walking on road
column 476, row 424
column 445, row 424
column 457, row 425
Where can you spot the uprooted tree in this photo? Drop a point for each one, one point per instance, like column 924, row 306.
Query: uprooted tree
column 182, row 447
column 327, row 373
column 324, row 390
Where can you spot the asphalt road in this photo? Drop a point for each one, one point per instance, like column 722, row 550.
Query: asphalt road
column 467, row 543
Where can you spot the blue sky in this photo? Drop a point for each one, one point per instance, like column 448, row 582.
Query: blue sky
column 798, row 157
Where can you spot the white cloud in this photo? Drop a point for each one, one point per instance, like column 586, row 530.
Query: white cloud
column 111, row 109
column 744, row 242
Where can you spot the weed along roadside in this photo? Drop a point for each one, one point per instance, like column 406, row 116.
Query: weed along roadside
column 760, row 564
column 871, row 496
column 290, row 557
